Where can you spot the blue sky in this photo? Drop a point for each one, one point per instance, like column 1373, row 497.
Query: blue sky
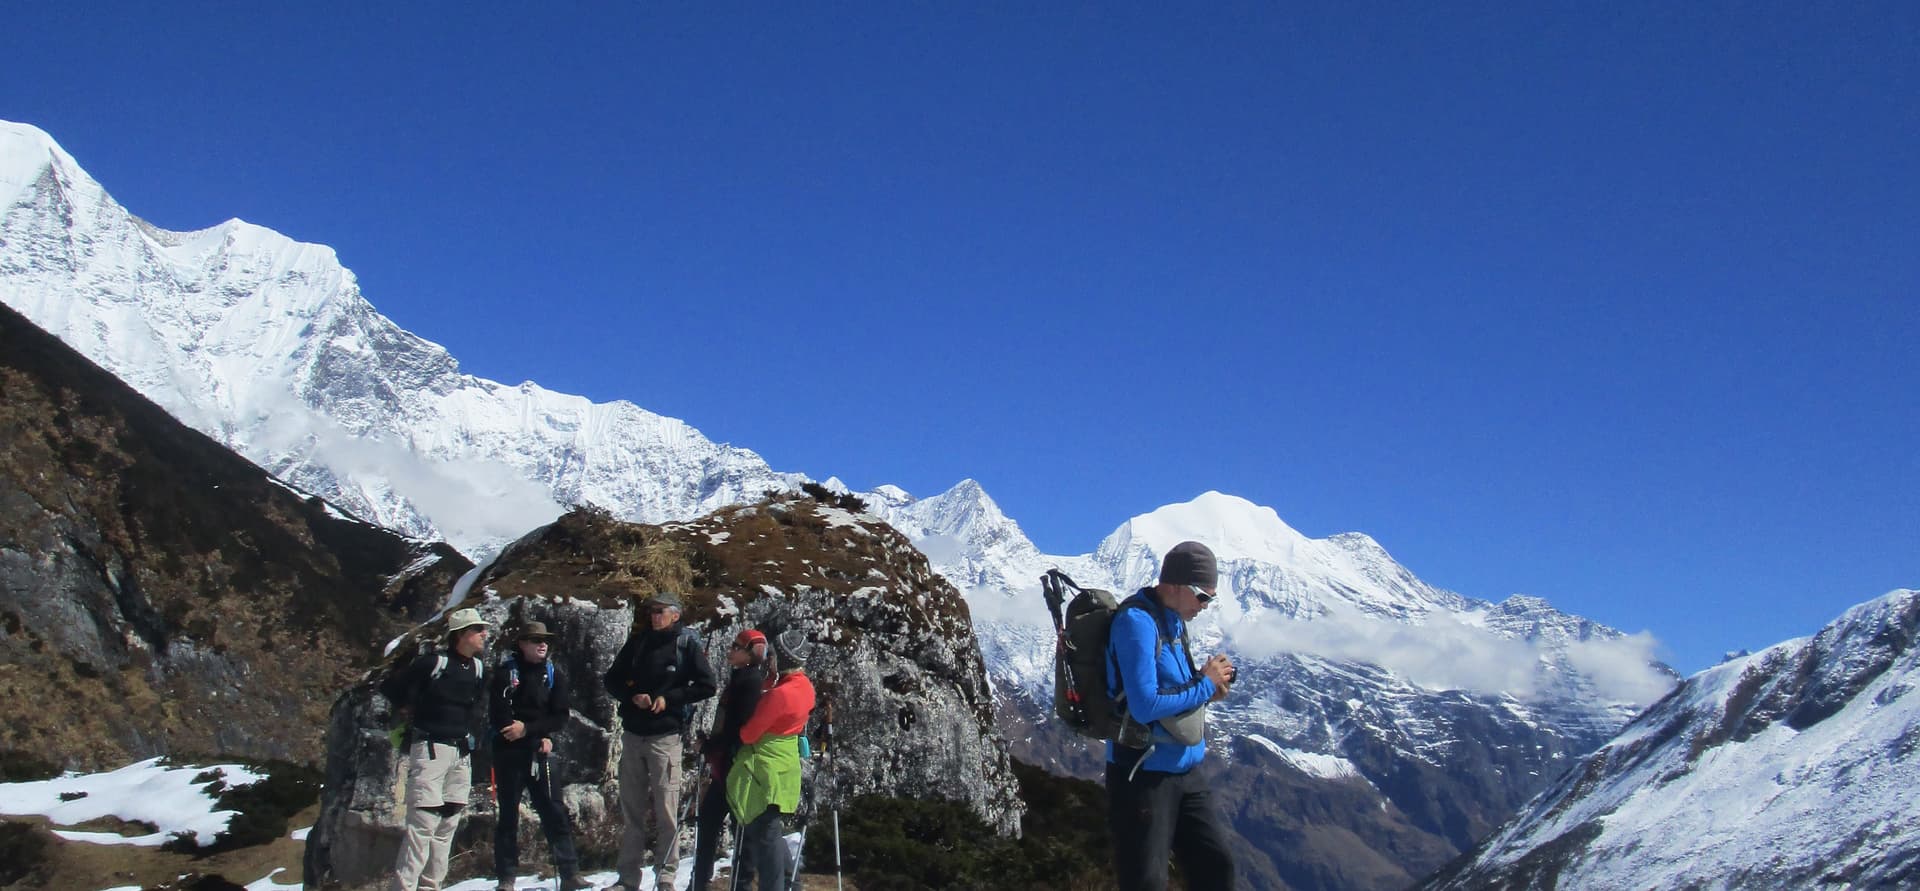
column 1613, row 304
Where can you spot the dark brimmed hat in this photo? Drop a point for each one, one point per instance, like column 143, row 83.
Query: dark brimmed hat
column 535, row 631
column 1190, row 563
column 791, row 648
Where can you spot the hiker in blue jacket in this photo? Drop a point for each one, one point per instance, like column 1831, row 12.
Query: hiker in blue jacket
column 1156, row 801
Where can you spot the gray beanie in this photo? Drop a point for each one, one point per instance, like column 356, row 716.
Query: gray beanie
column 1190, row 563
column 791, row 648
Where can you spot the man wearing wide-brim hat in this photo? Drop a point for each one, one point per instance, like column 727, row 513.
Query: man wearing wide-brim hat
column 448, row 695
column 658, row 676
column 530, row 705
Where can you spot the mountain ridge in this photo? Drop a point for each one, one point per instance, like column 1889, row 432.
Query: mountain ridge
column 272, row 349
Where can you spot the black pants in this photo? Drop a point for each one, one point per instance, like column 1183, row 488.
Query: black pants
column 513, row 772
column 764, row 844
column 706, row 839
column 1155, row 813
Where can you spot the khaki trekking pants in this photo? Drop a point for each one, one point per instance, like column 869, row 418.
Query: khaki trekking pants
column 439, row 779
column 649, row 788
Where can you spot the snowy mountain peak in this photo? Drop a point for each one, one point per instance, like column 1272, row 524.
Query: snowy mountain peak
column 1233, row 527
column 25, row 153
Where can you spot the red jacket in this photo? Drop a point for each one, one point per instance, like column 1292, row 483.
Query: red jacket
column 782, row 710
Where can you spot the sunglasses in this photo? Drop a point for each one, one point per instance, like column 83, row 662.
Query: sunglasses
column 1201, row 595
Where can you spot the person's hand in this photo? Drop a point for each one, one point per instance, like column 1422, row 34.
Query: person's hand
column 1219, row 669
column 659, row 704
column 642, row 701
column 512, row 732
column 546, row 747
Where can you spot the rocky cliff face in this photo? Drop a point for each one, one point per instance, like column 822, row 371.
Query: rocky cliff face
column 894, row 654
column 159, row 594
column 1793, row 767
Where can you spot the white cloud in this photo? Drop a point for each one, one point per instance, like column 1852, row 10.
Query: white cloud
column 1622, row 668
column 1444, row 653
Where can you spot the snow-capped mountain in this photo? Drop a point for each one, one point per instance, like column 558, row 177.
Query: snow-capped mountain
column 267, row 345
column 1794, row 767
column 1415, row 719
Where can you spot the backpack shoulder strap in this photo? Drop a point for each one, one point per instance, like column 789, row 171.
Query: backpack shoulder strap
column 684, row 645
column 439, row 667
column 549, row 674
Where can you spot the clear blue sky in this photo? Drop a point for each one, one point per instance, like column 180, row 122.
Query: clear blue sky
column 1611, row 303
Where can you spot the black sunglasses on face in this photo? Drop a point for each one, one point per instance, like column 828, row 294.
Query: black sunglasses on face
column 1200, row 595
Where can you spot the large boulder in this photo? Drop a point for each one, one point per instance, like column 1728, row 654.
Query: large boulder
column 894, row 654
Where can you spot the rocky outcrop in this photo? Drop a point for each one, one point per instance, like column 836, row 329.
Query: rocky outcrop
column 894, row 655
column 161, row 595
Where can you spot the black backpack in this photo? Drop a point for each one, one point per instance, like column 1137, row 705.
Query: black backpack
column 1080, row 697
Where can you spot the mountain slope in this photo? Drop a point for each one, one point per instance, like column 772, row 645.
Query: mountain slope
column 1790, row 768
column 159, row 594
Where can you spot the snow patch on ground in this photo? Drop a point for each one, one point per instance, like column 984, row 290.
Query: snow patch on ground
column 168, row 797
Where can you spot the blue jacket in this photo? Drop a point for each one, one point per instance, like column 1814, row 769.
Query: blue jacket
column 1159, row 680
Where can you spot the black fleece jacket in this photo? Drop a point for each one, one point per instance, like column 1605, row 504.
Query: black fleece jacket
column 652, row 662
column 447, row 708
column 543, row 711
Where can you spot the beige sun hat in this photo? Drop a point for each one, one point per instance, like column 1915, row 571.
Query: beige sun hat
column 462, row 619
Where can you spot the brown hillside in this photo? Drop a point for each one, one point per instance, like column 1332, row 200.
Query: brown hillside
column 160, row 594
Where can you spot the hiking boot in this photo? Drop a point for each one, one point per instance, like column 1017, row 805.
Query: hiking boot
column 503, row 885
column 575, row 883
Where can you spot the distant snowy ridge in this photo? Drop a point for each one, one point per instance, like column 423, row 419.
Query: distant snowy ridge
column 1794, row 767
column 1341, row 598
column 267, row 345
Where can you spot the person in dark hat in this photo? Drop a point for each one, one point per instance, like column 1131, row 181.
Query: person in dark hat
column 658, row 676
column 748, row 657
column 764, row 783
column 1156, row 801
column 447, row 693
column 530, row 705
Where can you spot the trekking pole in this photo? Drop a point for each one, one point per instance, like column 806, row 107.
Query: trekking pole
column 686, row 808
column 733, row 867
column 693, row 784
column 793, row 875
column 826, row 750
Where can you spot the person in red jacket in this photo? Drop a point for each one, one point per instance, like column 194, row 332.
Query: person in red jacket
column 765, row 780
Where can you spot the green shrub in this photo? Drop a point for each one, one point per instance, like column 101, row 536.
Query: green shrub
column 892, row 843
column 21, row 767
